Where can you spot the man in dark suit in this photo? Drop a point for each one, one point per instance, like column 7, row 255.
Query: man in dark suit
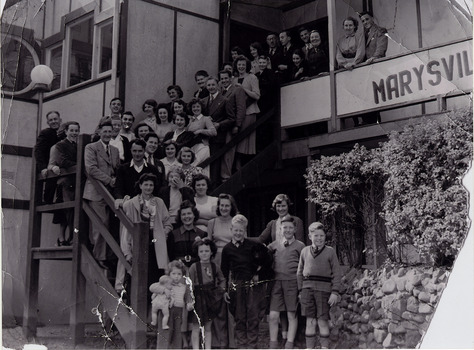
column 237, row 100
column 274, row 51
column 223, row 117
column 286, row 57
column 376, row 40
column 46, row 139
column 129, row 173
column 101, row 161
column 152, row 157
column 201, row 79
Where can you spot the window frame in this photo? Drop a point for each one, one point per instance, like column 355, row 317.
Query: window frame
column 98, row 46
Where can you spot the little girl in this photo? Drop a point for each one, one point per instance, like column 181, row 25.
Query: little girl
column 208, row 288
column 182, row 303
column 161, row 299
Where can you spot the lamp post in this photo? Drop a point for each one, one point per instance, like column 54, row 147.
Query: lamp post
column 41, row 76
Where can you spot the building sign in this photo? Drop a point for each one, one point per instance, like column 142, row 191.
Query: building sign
column 415, row 77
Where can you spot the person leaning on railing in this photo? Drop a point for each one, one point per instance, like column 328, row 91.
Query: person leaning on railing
column 350, row 48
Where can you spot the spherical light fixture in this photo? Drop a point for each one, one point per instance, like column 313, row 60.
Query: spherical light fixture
column 41, row 76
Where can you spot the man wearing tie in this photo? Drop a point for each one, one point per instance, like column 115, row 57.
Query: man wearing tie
column 101, row 161
column 237, row 100
column 274, row 51
column 152, row 157
column 223, row 117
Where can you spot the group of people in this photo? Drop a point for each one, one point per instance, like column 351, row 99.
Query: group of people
column 210, row 282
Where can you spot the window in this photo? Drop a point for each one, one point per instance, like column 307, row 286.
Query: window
column 81, row 49
column 105, row 55
column 18, row 58
column 55, row 57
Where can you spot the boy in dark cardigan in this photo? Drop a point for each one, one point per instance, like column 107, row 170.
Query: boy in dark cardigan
column 319, row 280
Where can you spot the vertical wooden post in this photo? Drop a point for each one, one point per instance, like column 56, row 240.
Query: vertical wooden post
column 332, row 30
column 139, row 285
column 80, row 236
column 30, row 311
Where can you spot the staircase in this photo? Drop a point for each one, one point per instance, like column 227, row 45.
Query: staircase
column 130, row 321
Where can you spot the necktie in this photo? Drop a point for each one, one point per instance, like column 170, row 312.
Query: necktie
column 107, row 150
column 211, row 99
column 286, row 244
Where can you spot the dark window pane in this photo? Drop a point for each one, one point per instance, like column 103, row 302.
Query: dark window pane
column 80, row 66
column 55, row 65
column 17, row 63
column 106, row 48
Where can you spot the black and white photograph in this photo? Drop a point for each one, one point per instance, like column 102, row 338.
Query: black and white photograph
column 237, row 174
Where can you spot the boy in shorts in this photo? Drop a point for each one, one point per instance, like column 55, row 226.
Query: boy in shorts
column 285, row 290
column 319, row 279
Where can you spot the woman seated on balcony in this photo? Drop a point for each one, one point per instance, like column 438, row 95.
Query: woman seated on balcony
column 299, row 69
column 350, row 48
column 316, row 56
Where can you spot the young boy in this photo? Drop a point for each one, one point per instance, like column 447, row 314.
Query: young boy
column 285, row 291
column 319, row 279
column 245, row 292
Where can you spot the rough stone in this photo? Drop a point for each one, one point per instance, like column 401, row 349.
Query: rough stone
column 401, row 284
column 364, row 328
column 411, row 339
column 415, row 280
column 355, row 319
column 440, row 287
column 433, row 299
column 354, row 328
column 362, row 338
column 370, row 337
column 407, row 315
column 409, row 286
column 374, row 314
column 401, row 272
column 365, row 317
column 416, row 292
column 412, row 304
column 409, row 325
column 389, row 287
column 430, row 287
column 425, row 309
column 379, row 294
column 397, row 308
column 388, row 342
column 396, row 328
column 418, row 318
column 379, row 335
column 387, row 301
column 377, row 304
column 343, row 303
column 424, row 297
column 425, row 280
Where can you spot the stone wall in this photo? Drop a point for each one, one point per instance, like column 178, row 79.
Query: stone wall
column 386, row 308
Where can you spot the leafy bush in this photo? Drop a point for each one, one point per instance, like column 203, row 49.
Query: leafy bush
column 413, row 182
column 425, row 203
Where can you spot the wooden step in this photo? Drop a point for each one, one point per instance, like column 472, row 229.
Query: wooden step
column 49, row 208
column 52, row 253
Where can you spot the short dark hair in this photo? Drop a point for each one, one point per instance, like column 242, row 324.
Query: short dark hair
column 287, row 32
column 138, row 126
column 178, row 89
column 363, row 13
column 67, row 124
column 128, row 113
column 51, row 112
column 233, row 204
column 185, row 116
column 211, row 77
column 185, row 205
column 238, row 50
column 151, row 134
column 178, row 264
column 147, row 177
column 193, row 102
column 288, row 218
column 300, row 29
column 353, row 20
column 300, row 53
column 116, row 99
column 201, row 73
column 205, row 241
column 225, row 71
column 181, row 103
column 200, row 177
column 138, row 142
column 150, row 102
column 256, row 45
column 248, row 64
column 165, row 107
column 106, row 123
column 280, row 198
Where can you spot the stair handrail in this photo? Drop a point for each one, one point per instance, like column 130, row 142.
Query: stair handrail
column 237, row 138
